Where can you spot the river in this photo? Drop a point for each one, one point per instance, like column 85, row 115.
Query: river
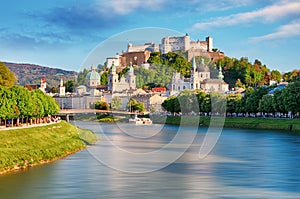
column 243, row 164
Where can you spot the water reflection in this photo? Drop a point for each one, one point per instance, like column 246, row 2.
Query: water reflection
column 244, row 164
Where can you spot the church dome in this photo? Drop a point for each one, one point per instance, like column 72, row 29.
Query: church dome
column 92, row 75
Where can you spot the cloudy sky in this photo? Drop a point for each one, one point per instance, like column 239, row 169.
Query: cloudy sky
column 63, row 33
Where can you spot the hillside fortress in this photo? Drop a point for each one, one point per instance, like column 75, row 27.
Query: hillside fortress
column 139, row 54
column 184, row 43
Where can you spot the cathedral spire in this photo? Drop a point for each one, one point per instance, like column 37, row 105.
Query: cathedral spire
column 220, row 75
column 194, row 63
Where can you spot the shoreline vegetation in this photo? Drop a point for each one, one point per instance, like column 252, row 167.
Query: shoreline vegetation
column 291, row 125
column 282, row 124
column 23, row 148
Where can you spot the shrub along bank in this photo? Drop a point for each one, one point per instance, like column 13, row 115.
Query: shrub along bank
column 21, row 148
column 292, row 125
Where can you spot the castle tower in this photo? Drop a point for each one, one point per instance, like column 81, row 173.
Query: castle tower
column 131, row 77
column 112, row 78
column 187, row 42
column 209, row 41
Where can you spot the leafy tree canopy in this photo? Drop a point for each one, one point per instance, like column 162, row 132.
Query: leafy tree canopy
column 7, row 78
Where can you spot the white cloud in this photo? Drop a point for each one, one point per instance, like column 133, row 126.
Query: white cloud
column 266, row 14
column 289, row 30
column 204, row 5
column 122, row 7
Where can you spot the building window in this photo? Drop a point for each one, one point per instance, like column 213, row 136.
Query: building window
column 179, row 88
column 201, row 75
column 183, row 87
column 115, row 80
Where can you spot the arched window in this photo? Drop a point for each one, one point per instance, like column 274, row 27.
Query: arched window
column 179, row 88
column 183, row 87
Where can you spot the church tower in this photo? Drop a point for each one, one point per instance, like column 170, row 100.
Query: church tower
column 220, row 75
column 195, row 81
column 131, row 78
column 113, row 78
column 62, row 89
column 43, row 85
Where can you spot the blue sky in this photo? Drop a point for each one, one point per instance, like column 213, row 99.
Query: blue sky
column 64, row 33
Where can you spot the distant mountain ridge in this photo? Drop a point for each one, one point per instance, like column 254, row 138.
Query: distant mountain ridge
column 31, row 74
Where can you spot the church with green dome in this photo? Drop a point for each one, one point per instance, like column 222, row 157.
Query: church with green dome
column 92, row 78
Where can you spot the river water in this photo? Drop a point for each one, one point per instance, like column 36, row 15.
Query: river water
column 243, row 164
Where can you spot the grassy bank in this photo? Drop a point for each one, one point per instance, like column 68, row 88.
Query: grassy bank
column 21, row 148
column 100, row 117
column 246, row 123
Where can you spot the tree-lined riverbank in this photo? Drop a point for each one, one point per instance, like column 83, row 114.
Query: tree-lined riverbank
column 292, row 125
column 22, row 148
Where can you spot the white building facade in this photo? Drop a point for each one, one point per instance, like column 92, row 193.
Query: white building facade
column 200, row 79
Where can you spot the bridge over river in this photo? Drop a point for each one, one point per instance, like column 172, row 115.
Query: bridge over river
column 66, row 113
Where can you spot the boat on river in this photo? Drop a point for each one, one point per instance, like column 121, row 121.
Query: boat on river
column 140, row 121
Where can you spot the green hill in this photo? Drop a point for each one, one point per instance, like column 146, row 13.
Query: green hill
column 31, row 74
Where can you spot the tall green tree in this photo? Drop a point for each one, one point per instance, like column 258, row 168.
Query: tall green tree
column 233, row 102
column 291, row 97
column 278, row 103
column 7, row 78
column 104, row 78
column 266, row 104
column 171, row 104
column 70, row 86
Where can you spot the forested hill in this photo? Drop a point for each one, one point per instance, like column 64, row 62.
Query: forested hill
column 32, row 74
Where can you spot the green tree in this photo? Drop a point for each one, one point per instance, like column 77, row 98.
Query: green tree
column 171, row 104
column 140, row 107
column 116, row 103
column 291, row 97
column 81, row 77
column 104, row 78
column 188, row 101
column 252, row 101
column 266, row 104
column 131, row 105
column 70, row 86
column 275, row 75
column 38, row 105
column 278, row 103
column 101, row 105
column 233, row 102
column 7, row 78
column 22, row 97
